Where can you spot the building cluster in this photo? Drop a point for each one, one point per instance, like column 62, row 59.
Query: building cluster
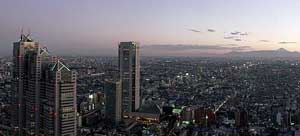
column 43, row 99
column 41, row 94
column 43, row 91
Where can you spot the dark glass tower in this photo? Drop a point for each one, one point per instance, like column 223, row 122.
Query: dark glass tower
column 129, row 66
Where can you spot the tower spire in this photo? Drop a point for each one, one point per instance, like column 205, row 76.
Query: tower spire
column 21, row 34
column 28, row 32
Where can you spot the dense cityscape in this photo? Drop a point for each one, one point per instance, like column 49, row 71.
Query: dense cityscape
column 139, row 95
column 149, row 68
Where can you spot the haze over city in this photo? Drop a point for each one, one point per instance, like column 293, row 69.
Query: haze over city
column 168, row 27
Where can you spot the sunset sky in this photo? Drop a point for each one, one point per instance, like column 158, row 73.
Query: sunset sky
column 94, row 27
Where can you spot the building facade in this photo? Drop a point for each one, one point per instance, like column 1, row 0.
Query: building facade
column 129, row 66
column 60, row 106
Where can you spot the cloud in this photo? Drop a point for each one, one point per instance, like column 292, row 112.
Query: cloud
column 235, row 33
column 194, row 30
column 211, row 30
column 229, row 37
column 239, row 33
column 238, row 40
column 285, row 42
column 264, row 41
column 244, row 33
column 231, row 45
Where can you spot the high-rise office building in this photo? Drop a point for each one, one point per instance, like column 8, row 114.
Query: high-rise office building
column 18, row 104
column 29, row 58
column 113, row 100
column 60, row 106
column 31, row 61
column 129, row 66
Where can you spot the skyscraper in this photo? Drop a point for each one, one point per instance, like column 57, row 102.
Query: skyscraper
column 60, row 106
column 18, row 104
column 29, row 58
column 129, row 66
column 113, row 100
column 31, row 62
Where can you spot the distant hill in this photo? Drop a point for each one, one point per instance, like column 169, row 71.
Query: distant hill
column 281, row 52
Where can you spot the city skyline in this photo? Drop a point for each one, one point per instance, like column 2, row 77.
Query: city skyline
column 149, row 68
column 215, row 26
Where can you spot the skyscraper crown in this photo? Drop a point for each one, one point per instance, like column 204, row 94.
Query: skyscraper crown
column 25, row 37
column 58, row 66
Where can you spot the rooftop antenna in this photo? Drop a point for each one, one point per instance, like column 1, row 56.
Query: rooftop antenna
column 28, row 32
column 21, row 33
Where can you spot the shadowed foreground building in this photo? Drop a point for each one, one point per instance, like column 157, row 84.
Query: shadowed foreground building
column 113, row 108
column 33, row 92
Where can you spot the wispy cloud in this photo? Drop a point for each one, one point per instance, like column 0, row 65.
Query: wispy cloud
column 264, row 41
column 229, row 37
column 244, row 33
column 238, row 33
column 211, row 30
column 285, row 42
column 194, row 30
column 234, row 45
column 235, row 33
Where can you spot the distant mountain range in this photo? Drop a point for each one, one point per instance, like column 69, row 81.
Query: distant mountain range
column 215, row 51
column 281, row 52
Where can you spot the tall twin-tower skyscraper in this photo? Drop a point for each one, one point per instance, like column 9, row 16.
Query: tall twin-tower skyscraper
column 44, row 96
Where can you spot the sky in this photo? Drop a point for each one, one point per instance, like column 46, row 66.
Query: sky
column 95, row 27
